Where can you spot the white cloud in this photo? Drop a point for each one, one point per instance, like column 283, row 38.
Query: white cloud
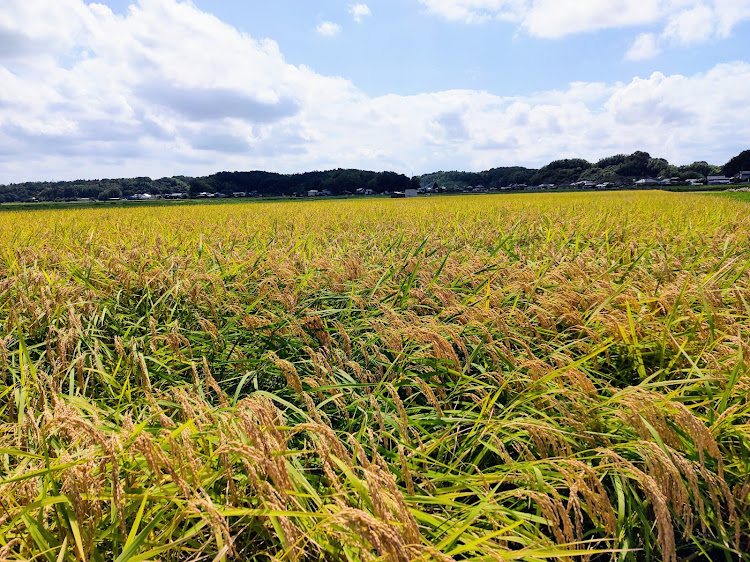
column 359, row 12
column 477, row 11
column 682, row 21
column 644, row 47
column 328, row 28
column 695, row 25
column 558, row 18
column 167, row 89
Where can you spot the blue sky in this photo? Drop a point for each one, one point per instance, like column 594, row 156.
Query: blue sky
column 163, row 87
column 403, row 48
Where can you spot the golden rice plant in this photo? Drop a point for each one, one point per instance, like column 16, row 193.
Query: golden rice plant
column 521, row 377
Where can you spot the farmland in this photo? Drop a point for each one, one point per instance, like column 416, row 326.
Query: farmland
column 523, row 377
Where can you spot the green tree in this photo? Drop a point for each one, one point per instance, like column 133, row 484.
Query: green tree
column 110, row 193
column 698, row 170
column 737, row 164
column 198, row 185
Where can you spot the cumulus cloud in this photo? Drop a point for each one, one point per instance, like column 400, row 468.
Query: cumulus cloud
column 359, row 12
column 167, row 89
column 453, row 124
column 645, row 46
column 682, row 21
column 328, row 28
column 205, row 104
column 695, row 25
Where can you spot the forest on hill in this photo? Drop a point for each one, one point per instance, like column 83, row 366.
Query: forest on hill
column 252, row 184
column 619, row 170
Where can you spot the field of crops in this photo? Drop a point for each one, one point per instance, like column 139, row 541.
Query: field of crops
column 523, row 377
column 740, row 196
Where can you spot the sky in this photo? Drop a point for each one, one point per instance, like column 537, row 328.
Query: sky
column 123, row 88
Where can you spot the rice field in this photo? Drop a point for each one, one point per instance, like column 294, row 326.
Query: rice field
column 527, row 377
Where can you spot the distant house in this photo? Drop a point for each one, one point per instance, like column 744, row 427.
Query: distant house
column 646, row 181
column 585, row 184
column 410, row 193
column 744, row 176
column 694, row 182
column 670, row 181
column 718, row 180
column 313, row 192
column 398, row 195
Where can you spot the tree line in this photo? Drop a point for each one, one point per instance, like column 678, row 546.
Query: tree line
column 620, row 169
column 264, row 184
column 334, row 182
